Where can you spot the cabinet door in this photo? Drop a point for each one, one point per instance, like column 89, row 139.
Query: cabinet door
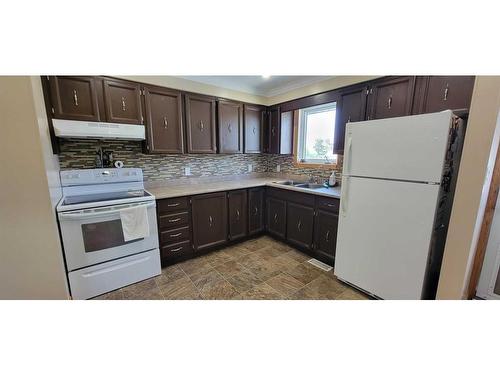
column 350, row 108
column 254, row 128
column 123, row 102
column 230, row 127
column 209, row 212
column 237, row 214
column 274, row 130
column 286, row 133
column 164, row 120
column 200, row 124
column 448, row 92
column 276, row 217
column 255, row 210
column 74, row 98
column 325, row 234
column 391, row 97
column 299, row 225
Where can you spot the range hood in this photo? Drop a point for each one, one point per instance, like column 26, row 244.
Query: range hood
column 98, row 130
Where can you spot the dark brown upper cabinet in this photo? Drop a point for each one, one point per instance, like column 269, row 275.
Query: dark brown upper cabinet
column 209, row 215
column 237, row 203
column 164, row 120
column 274, row 118
column 254, row 128
column 123, row 102
column 390, row 97
column 300, row 221
column 230, row 124
column 255, row 210
column 351, row 107
column 276, row 217
column 325, row 234
column 280, row 131
column 200, row 124
column 447, row 92
column 74, row 98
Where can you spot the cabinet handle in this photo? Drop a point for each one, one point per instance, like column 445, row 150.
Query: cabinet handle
column 389, row 102
column 172, row 205
column 210, row 220
column 229, row 127
column 177, row 249
column 237, row 215
column 255, row 210
column 201, row 125
column 327, row 237
column 330, row 205
column 299, row 225
column 272, row 131
column 446, row 90
column 165, row 122
column 253, row 130
column 75, row 98
column 276, row 218
column 174, row 220
column 124, row 104
column 175, row 235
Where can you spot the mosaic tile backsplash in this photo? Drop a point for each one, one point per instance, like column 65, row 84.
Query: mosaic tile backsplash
column 76, row 154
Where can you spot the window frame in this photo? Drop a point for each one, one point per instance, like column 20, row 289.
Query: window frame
column 302, row 132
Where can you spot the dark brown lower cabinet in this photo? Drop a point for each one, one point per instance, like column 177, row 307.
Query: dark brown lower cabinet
column 209, row 215
column 255, row 210
column 237, row 202
column 276, row 217
column 300, row 222
column 325, row 234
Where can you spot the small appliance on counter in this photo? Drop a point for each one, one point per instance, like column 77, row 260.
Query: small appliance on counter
column 108, row 229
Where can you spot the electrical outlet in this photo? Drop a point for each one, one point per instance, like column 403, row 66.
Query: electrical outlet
column 187, row 171
column 250, row 167
column 278, row 168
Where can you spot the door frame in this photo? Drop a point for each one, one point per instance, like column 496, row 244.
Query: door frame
column 484, row 234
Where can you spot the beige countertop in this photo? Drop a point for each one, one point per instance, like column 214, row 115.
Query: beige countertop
column 194, row 186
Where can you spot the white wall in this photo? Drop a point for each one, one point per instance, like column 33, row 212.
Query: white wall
column 31, row 260
column 471, row 192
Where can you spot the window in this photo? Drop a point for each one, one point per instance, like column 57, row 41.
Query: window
column 316, row 134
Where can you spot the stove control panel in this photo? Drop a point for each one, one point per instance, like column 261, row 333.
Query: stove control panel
column 100, row 176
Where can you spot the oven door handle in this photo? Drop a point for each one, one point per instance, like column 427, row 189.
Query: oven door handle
column 74, row 215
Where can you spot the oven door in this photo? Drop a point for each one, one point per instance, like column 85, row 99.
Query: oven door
column 92, row 236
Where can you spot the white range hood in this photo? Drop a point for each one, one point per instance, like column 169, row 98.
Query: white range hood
column 99, row 130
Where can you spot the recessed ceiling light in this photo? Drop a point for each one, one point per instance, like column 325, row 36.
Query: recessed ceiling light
column 266, row 77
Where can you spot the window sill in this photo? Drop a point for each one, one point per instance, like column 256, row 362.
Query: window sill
column 315, row 165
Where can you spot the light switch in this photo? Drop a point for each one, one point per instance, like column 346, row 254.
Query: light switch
column 187, row 171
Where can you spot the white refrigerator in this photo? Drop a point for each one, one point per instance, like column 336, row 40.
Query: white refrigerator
column 397, row 189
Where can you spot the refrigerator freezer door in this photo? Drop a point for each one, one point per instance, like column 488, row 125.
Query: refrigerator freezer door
column 384, row 235
column 408, row 148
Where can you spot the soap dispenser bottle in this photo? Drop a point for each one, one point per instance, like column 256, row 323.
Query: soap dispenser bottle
column 332, row 180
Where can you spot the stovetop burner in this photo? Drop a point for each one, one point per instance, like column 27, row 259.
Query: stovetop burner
column 99, row 197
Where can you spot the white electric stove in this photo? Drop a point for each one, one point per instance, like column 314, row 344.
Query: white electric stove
column 98, row 259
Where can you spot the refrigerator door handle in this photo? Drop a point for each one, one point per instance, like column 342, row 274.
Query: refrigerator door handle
column 348, row 156
column 344, row 196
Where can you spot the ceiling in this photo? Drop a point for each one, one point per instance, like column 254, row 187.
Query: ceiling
column 258, row 85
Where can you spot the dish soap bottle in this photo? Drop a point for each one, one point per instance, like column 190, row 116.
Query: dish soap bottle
column 332, row 180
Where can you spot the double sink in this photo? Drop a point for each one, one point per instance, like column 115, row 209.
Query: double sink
column 303, row 185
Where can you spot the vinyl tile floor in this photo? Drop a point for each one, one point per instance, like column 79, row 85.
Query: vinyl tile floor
column 257, row 269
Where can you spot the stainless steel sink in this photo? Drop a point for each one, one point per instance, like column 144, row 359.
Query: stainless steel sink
column 310, row 186
column 289, row 183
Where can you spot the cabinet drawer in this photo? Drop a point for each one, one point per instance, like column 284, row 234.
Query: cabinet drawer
column 174, row 235
column 328, row 204
column 173, row 204
column 176, row 249
column 174, row 220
